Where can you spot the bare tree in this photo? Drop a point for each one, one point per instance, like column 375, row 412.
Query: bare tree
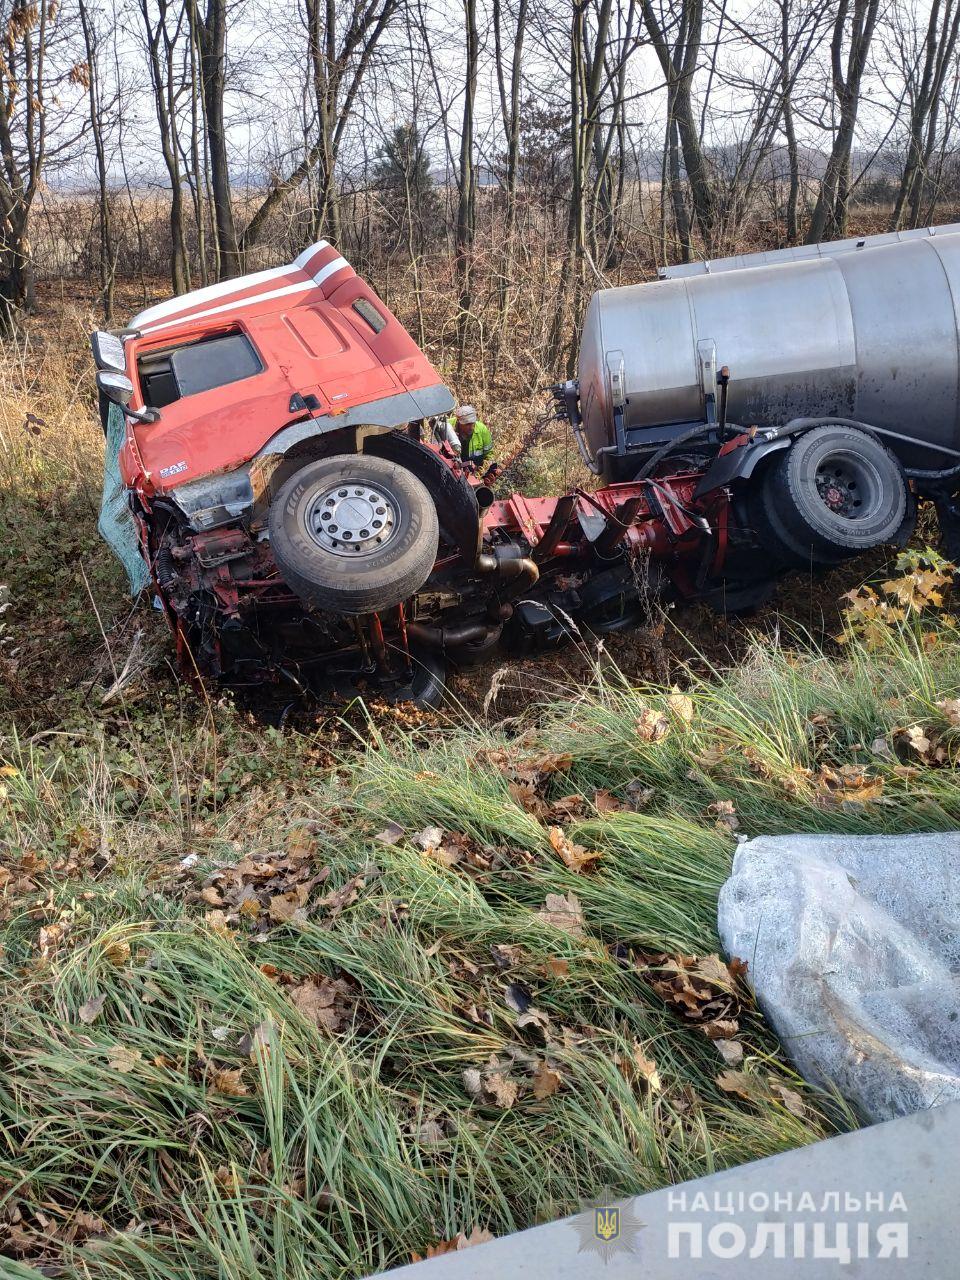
column 211, row 35
column 509, row 86
column 467, row 179
column 89, row 73
column 23, row 145
column 163, row 34
column 586, row 81
column 853, row 28
column 925, row 71
column 676, row 33
column 609, row 137
column 342, row 39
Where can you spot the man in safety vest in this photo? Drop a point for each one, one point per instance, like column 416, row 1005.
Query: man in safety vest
column 468, row 436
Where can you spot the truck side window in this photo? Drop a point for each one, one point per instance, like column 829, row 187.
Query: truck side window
column 367, row 311
column 214, row 363
column 167, row 376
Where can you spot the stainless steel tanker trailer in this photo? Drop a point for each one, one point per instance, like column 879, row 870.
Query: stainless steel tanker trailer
column 277, row 482
column 841, row 360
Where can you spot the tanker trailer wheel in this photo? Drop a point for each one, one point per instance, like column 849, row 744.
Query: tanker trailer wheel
column 354, row 534
column 834, row 493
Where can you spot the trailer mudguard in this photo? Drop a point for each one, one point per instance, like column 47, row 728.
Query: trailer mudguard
column 738, row 464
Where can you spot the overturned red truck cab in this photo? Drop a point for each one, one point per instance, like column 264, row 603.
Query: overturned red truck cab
column 274, row 482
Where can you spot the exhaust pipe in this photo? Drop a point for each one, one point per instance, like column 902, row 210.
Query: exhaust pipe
column 511, row 566
column 444, row 638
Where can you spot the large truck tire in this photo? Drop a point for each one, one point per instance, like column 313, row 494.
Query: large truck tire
column 354, row 534
column 834, row 493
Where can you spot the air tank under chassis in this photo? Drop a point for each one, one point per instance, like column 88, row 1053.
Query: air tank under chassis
column 868, row 333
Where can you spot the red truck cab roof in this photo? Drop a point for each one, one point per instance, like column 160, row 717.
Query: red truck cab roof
column 231, row 366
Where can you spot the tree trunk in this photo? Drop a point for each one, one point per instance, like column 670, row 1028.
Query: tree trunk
column 164, row 97
column 789, row 128
column 510, row 107
column 467, row 196
column 212, row 38
column 679, row 65
column 940, row 43
column 107, row 257
column 829, row 218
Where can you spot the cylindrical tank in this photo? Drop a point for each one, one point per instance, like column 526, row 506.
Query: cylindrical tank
column 865, row 330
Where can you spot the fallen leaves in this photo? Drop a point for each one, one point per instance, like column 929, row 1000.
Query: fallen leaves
column 563, row 912
column 391, row 834
column 529, row 770
column 701, row 988
column 505, row 1079
column 527, row 779
column 934, row 745
column 753, row 1087
column 228, row 1081
column 460, row 1241
column 500, row 1089
column 845, row 785
column 731, row 1051
column 454, row 849
column 327, row 1003
column 916, row 744
column 704, row 990
column 123, row 1059
column 535, row 1024
column 517, row 997
column 546, row 1081
column 792, row 778
column 792, row 1100
column 639, row 1069
column 574, row 856
column 606, row 802
column 724, row 815
column 29, row 1231
column 51, row 937
column 89, row 1011
column 651, row 725
column 272, row 888
column 739, row 1083
column 681, row 705
column 284, row 907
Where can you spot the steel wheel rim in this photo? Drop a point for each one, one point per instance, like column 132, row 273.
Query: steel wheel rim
column 848, row 485
column 353, row 519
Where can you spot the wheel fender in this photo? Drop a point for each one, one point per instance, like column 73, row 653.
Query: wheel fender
column 454, row 499
column 739, row 464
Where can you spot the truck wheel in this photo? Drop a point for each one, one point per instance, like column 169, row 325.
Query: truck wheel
column 834, row 493
column 354, row 534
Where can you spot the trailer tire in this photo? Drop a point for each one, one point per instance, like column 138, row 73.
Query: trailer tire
column 834, row 493
column 354, row 534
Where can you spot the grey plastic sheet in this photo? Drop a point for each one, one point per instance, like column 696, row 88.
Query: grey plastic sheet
column 116, row 524
column 853, row 946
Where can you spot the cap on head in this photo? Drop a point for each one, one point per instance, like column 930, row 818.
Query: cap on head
column 466, row 415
